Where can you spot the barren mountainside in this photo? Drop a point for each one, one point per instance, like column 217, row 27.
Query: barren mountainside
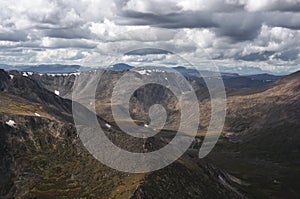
column 257, row 155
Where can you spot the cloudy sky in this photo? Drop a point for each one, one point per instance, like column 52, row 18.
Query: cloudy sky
column 263, row 33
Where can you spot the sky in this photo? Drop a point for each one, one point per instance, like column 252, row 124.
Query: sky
column 232, row 33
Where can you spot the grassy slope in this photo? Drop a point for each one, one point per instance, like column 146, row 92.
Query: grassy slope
column 14, row 105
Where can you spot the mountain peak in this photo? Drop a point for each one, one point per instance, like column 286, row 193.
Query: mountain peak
column 121, row 66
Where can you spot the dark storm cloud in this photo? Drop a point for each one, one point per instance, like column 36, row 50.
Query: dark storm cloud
column 186, row 19
column 279, row 19
column 148, row 51
column 288, row 55
column 15, row 36
column 238, row 26
column 68, row 33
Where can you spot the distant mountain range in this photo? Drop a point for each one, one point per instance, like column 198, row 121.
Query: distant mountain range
column 121, row 66
column 46, row 68
column 62, row 68
column 248, row 70
column 231, row 80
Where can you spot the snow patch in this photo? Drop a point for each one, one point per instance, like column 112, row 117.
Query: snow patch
column 143, row 72
column 158, row 71
column 62, row 74
column 148, row 71
column 11, row 76
column 56, row 92
column 25, row 74
column 11, row 123
column 76, row 74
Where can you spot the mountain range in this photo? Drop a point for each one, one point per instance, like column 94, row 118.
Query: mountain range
column 64, row 68
column 257, row 155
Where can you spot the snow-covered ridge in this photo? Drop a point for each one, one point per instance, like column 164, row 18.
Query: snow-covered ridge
column 60, row 74
column 27, row 74
column 149, row 71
